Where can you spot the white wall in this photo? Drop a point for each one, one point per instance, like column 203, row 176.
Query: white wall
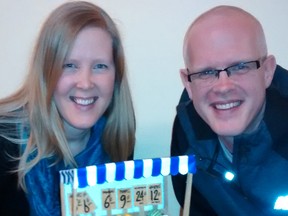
column 152, row 32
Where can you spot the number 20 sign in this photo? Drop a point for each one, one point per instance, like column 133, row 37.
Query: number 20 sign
column 119, row 188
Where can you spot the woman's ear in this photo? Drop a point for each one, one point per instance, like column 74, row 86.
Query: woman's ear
column 186, row 83
column 269, row 69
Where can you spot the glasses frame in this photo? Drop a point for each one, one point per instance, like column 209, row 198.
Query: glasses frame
column 218, row 71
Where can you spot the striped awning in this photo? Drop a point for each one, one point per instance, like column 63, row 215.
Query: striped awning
column 127, row 170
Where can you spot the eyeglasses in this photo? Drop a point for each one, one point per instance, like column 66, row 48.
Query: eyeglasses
column 213, row 74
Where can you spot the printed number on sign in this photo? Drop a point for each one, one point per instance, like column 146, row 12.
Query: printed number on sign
column 140, row 195
column 108, row 199
column 155, row 194
column 124, row 198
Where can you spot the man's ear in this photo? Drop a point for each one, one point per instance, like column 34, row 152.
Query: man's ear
column 269, row 69
column 186, row 83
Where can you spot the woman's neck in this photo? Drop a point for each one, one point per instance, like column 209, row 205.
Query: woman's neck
column 77, row 138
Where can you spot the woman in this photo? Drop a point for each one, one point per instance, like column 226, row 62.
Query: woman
column 75, row 107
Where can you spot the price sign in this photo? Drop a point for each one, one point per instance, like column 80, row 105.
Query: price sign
column 108, row 199
column 155, row 193
column 124, row 198
column 140, row 193
column 83, row 202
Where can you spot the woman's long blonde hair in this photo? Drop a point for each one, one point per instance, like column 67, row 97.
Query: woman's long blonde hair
column 33, row 106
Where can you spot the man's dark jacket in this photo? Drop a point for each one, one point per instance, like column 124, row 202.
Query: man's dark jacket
column 260, row 160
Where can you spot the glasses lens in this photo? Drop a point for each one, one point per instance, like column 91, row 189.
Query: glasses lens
column 242, row 68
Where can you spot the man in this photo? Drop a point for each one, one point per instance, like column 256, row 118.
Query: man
column 234, row 123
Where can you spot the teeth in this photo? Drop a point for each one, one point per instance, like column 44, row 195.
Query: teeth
column 84, row 102
column 227, row 106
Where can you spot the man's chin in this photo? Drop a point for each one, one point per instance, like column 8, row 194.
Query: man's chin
column 228, row 131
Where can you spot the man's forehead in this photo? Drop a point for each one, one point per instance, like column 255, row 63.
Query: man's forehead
column 222, row 22
column 222, row 17
column 224, row 12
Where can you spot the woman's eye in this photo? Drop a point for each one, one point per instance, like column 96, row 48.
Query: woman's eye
column 69, row 65
column 101, row 66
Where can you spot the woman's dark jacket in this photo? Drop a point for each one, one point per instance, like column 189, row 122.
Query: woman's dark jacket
column 12, row 199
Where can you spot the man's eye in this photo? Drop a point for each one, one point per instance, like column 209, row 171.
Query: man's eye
column 240, row 67
column 206, row 74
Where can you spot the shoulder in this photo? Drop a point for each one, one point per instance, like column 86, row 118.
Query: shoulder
column 280, row 80
column 276, row 119
column 276, row 113
column 8, row 151
column 12, row 199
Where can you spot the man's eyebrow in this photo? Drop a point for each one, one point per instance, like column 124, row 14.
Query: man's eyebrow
column 203, row 69
column 234, row 63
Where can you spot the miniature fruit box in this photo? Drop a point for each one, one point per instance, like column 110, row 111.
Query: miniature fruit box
column 135, row 187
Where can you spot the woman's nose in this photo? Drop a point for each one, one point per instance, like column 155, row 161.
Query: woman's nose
column 84, row 80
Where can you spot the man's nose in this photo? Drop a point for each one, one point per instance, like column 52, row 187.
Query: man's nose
column 225, row 73
column 224, row 83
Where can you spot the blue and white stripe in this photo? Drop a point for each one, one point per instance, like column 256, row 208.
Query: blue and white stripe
column 127, row 170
